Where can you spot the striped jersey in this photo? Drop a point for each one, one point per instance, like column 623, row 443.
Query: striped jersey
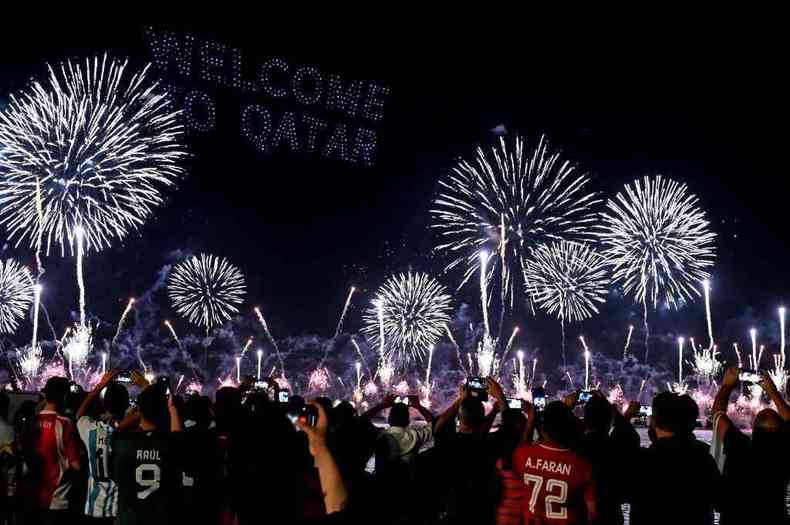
column 102, row 498
column 56, row 449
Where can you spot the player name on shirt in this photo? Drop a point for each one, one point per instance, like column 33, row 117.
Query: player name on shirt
column 148, row 455
column 549, row 466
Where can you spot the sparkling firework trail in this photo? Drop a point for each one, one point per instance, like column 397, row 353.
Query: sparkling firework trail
column 586, row 369
column 755, row 360
column 79, row 232
column 91, row 147
column 17, row 291
column 681, row 342
column 361, row 356
column 706, row 288
column 658, row 242
column 358, row 367
column 428, row 368
column 457, row 349
column 238, row 369
column 271, row 339
column 206, row 290
column 570, row 379
column 782, row 334
column 260, row 357
column 409, row 314
column 37, row 288
column 173, row 332
column 628, row 340
column 123, row 318
column 343, row 313
column 509, row 344
column 738, row 355
column 484, row 290
column 507, row 200
column 104, row 363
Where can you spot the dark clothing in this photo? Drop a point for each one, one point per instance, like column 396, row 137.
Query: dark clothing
column 673, row 481
column 754, row 481
column 609, row 454
column 146, row 466
column 467, row 463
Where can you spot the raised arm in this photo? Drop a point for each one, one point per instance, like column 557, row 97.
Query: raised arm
column 728, row 384
column 500, row 403
column 387, row 402
column 332, row 486
column 175, row 418
column 623, row 432
column 414, row 402
column 93, row 394
column 452, row 411
column 768, row 386
column 532, row 421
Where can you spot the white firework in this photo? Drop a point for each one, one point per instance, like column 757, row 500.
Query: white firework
column 414, row 308
column 505, row 201
column 567, row 279
column 90, row 147
column 658, row 242
column 206, row 290
column 16, row 294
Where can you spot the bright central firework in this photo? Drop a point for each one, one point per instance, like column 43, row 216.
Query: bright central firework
column 567, row 279
column 658, row 242
column 93, row 147
column 16, row 294
column 506, row 201
column 206, row 290
column 415, row 309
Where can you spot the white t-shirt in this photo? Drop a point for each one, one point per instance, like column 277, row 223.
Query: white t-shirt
column 403, row 442
column 102, row 499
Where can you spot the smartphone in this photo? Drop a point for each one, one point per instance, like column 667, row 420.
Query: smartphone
column 584, row 396
column 305, row 413
column 514, row 403
column 75, row 388
column 403, row 400
column 124, row 378
column 282, row 396
column 478, row 387
column 750, row 377
column 539, row 398
column 261, row 383
column 645, row 411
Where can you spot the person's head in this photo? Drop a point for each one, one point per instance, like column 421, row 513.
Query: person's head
column 769, row 433
column 559, row 424
column 668, row 414
column 597, row 414
column 514, row 422
column 152, row 403
column 4, row 404
column 343, row 414
column 116, row 399
column 198, row 410
column 471, row 415
column 399, row 415
column 690, row 412
column 55, row 391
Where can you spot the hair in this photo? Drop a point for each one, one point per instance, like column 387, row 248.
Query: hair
column 116, row 399
column 198, row 409
column 343, row 414
column 598, row 414
column 690, row 412
column 668, row 412
column 56, row 389
column 399, row 415
column 472, row 413
column 559, row 424
column 4, row 403
column 227, row 408
column 152, row 403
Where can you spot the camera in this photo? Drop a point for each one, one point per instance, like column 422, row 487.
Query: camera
column 478, row 387
column 403, row 400
column 750, row 377
column 74, row 388
column 307, row 414
column 514, row 403
column 645, row 411
column 584, row 396
column 282, row 396
column 539, row 398
column 124, row 377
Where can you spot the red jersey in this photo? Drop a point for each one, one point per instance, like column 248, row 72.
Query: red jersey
column 558, row 485
column 56, row 447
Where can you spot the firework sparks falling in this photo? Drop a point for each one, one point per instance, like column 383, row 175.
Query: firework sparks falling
column 173, row 333
column 782, row 332
column 247, row 345
column 271, row 339
column 409, row 315
column 681, row 342
column 706, row 289
column 16, row 294
column 319, row 380
column 706, row 366
column 238, row 369
column 206, row 290
column 484, row 290
column 658, row 242
column 509, row 344
column 91, row 147
column 77, row 345
column 345, row 309
column 754, row 358
column 29, row 361
column 508, row 200
column 260, row 357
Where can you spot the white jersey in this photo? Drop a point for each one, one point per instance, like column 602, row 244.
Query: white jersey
column 102, row 500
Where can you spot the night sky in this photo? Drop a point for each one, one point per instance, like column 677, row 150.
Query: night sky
column 709, row 111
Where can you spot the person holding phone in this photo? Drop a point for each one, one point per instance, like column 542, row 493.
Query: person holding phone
column 762, row 459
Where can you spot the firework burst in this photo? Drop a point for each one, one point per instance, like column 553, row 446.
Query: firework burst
column 658, row 242
column 507, row 200
column 415, row 309
column 206, row 290
column 16, row 294
column 93, row 146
